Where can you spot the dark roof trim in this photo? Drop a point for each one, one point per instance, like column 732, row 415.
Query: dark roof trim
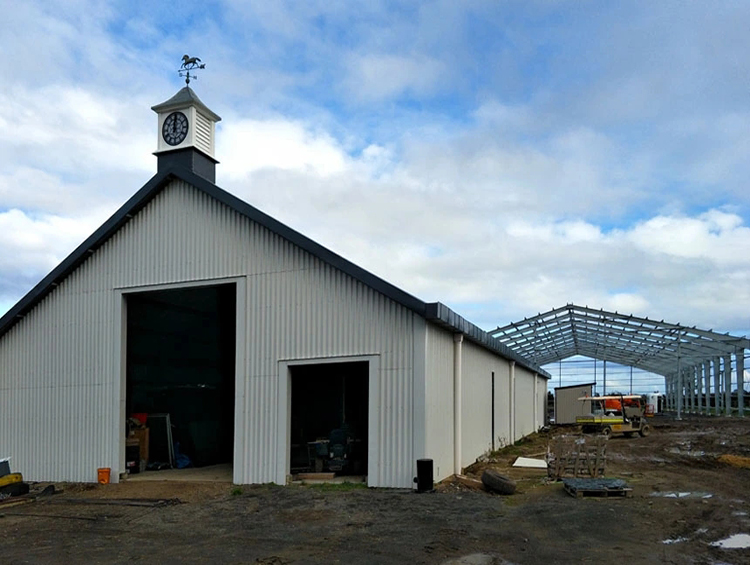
column 574, row 386
column 438, row 313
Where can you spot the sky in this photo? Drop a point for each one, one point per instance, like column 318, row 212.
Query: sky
column 502, row 157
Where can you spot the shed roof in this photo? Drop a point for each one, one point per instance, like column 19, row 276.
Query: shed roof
column 574, row 386
column 644, row 343
column 436, row 312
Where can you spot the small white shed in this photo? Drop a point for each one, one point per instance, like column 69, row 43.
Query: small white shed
column 567, row 405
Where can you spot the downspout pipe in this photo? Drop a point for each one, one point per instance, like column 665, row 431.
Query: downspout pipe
column 458, row 340
column 512, row 403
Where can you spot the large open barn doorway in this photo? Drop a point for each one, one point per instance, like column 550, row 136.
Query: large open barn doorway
column 181, row 362
column 329, row 418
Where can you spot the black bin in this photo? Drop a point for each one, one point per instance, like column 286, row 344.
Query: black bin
column 424, row 475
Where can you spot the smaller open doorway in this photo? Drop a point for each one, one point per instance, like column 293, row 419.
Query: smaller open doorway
column 329, row 418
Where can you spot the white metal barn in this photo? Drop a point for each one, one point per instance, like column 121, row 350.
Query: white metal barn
column 252, row 333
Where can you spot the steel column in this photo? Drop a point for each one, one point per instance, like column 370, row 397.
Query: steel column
column 693, row 379
column 679, row 379
column 707, row 391
column 668, row 387
column 727, row 385
column 717, row 395
column 740, row 361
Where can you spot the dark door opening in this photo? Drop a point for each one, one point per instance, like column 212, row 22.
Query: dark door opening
column 329, row 418
column 181, row 362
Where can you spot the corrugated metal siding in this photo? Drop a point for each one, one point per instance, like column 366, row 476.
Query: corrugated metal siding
column 502, row 405
column 439, row 400
column 56, row 389
column 567, row 405
column 331, row 315
column 524, row 402
column 60, row 366
column 478, row 366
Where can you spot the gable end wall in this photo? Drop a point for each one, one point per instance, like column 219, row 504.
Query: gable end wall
column 61, row 366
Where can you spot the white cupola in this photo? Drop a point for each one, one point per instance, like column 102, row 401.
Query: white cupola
column 186, row 133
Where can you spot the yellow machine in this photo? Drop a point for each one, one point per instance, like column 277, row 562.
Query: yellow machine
column 11, row 479
column 615, row 414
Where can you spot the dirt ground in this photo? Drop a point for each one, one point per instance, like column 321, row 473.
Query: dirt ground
column 684, row 499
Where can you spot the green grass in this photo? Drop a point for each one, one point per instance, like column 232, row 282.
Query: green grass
column 236, row 491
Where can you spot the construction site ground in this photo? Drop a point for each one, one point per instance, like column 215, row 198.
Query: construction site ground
column 686, row 499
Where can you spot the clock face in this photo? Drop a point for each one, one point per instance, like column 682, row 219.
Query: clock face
column 175, row 128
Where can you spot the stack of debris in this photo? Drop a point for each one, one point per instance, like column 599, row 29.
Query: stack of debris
column 577, row 456
column 11, row 484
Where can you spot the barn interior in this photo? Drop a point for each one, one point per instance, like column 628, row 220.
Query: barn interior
column 329, row 418
column 181, row 363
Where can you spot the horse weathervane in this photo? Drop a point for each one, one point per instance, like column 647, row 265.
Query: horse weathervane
column 190, row 64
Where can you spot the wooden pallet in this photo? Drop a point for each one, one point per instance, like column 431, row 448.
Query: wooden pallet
column 597, row 487
column 577, row 456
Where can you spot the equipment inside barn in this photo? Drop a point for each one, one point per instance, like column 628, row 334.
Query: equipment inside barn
column 329, row 418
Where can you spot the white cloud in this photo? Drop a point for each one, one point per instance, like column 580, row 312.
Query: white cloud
column 247, row 146
column 70, row 129
column 32, row 245
column 443, row 247
column 716, row 236
column 569, row 232
column 380, row 77
column 470, row 153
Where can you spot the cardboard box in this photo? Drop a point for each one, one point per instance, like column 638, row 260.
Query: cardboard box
column 141, row 434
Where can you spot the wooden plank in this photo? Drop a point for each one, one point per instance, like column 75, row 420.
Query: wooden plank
column 16, row 500
column 469, row 482
column 316, row 476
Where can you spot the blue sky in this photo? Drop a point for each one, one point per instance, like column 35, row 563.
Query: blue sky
column 505, row 158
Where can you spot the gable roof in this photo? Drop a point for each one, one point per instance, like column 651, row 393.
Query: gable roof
column 434, row 312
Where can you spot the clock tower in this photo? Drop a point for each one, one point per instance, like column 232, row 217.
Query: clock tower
column 187, row 128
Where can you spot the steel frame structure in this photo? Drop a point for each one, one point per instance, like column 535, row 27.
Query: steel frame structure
column 686, row 356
